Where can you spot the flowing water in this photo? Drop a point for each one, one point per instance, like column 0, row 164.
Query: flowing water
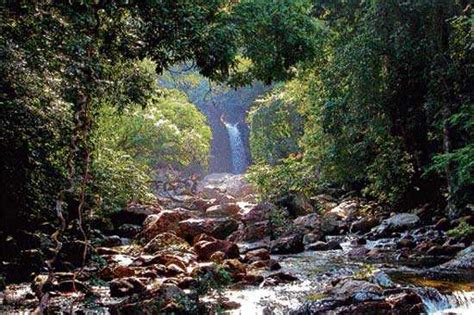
column 457, row 302
column 239, row 161
column 316, row 269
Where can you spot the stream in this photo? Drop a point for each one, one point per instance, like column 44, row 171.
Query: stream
column 316, row 269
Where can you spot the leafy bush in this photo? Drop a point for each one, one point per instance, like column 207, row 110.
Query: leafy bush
column 275, row 128
column 213, row 279
column 129, row 143
column 463, row 230
column 291, row 175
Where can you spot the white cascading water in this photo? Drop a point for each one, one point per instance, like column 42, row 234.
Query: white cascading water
column 436, row 303
column 239, row 162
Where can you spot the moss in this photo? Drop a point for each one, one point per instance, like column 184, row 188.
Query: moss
column 314, row 297
column 365, row 273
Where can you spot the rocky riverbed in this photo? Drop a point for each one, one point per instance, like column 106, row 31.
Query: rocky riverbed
column 222, row 251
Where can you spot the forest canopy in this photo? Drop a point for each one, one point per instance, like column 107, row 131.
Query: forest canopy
column 386, row 105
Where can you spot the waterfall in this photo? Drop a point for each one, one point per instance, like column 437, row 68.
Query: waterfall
column 239, row 162
column 437, row 303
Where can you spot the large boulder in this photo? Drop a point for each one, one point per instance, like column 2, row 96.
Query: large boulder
column 291, row 244
column 206, row 248
column 310, row 222
column 260, row 212
column 398, row 222
column 346, row 209
column 364, row 225
column 224, row 210
column 217, row 227
column 257, row 254
column 165, row 221
column 221, row 184
column 330, row 224
column 463, row 260
column 358, row 290
column 251, row 232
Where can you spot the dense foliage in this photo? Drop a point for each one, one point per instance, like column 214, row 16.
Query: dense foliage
column 388, row 108
column 73, row 76
column 129, row 144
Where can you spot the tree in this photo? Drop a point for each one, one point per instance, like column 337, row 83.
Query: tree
column 62, row 60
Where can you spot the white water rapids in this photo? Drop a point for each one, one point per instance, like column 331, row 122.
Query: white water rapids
column 458, row 302
column 239, row 162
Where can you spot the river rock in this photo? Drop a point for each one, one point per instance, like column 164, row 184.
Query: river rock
column 324, row 202
column 163, row 241
column 406, row 243
column 381, row 279
column 330, row 224
column 228, row 209
column 217, row 227
column 252, row 232
column 317, row 246
column 205, row 249
column 310, row 222
column 217, row 257
column 398, row 222
column 219, row 184
column 345, row 210
column 364, row 225
column 311, row 238
column 170, row 292
column 108, row 273
column 201, row 204
column 279, row 278
column 234, row 267
column 443, row 224
column 358, row 252
column 259, row 264
column 165, row 221
column 126, row 286
column 179, row 258
column 463, row 260
column 358, row 290
column 259, row 213
column 444, row 250
column 292, row 244
column 333, row 245
column 111, row 241
column 257, row 254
